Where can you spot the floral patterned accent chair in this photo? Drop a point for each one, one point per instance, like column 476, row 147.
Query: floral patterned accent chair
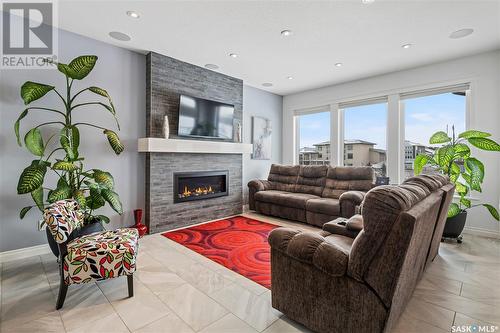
column 93, row 257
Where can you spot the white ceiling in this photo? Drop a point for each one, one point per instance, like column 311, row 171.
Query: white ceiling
column 367, row 39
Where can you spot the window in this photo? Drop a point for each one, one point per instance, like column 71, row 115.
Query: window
column 314, row 138
column 365, row 136
column 426, row 115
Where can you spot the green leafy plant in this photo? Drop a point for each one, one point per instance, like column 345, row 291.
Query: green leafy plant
column 453, row 158
column 91, row 188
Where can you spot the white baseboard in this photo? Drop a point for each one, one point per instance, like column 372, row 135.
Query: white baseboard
column 481, row 232
column 24, row 253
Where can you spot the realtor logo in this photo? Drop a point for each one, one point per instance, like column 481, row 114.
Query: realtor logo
column 28, row 36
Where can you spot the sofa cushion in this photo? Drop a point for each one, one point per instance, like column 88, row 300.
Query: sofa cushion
column 283, row 177
column 295, row 200
column 343, row 179
column 311, row 179
column 324, row 206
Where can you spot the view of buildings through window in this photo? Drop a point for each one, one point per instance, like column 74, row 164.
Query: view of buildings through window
column 314, row 139
column 426, row 115
column 364, row 147
column 365, row 129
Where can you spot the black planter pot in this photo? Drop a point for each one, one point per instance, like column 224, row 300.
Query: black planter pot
column 454, row 226
column 88, row 229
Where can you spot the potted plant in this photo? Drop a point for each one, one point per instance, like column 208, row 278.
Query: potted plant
column 60, row 152
column 453, row 158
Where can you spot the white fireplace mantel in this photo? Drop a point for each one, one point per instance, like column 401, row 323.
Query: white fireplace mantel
column 160, row 145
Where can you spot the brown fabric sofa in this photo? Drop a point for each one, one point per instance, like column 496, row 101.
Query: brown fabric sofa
column 347, row 279
column 314, row 194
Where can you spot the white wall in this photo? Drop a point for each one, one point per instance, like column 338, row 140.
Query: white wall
column 122, row 74
column 260, row 103
column 483, row 71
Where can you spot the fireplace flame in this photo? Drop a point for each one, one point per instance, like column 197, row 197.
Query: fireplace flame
column 196, row 191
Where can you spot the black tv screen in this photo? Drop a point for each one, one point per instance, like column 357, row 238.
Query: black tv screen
column 203, row 118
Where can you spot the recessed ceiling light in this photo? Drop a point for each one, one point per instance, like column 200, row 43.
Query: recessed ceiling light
column 211, row 66
column 233, row 55
column 339, row 64
column 267, row 84
column 461, row 33
column 286, row 33
column 406, row 46
column 290, row 77
column 366, row 2
column 119, row 36
column 133, row 14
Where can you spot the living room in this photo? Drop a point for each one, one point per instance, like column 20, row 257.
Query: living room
column 250, row 166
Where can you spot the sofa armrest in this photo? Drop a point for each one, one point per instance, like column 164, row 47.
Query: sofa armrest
column 349, row 201
column 255, row 186
column 310, row 248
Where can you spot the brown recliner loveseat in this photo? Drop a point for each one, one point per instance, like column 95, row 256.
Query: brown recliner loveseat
column 314, row 194
column 361, row 280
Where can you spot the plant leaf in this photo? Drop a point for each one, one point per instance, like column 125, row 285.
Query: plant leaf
column 111, row 107
column 461, row 188
column 16, row 126
column 31, row 91
column 484, row 144
column 476, row 169
column 37, row 196
column 419, row 163
column 34, row 142
column 104, row 178
column 23, row 211
column 439, row 137
column 445, row 155
column 453, row 210
column 103, row 218
column 70, row 141
column 114, row 141
column 64, row 166
column 473, row 134
column 63, row 191
column 94, row 200
column 113, row 199
column 455, row 169
column 493, row 211
column 466, row 202
column 462, row 150
column 31, row 178
column 80, row 198
column 79, row 67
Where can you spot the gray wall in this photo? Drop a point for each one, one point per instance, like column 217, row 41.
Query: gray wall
column 260, row 103
column 122, row 73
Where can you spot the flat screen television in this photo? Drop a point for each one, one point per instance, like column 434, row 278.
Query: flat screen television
column 204, row 118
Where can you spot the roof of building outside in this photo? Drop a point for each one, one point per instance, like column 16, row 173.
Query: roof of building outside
column 308, row 150
column 382, row 151
column 347, row 142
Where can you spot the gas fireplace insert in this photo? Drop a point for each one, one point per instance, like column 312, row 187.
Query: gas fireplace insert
column 199, row 185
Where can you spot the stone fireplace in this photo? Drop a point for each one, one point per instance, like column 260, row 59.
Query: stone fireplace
column 180, row 171
column 200, row 185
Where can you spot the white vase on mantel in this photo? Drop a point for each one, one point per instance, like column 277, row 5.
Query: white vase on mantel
column 166, row 128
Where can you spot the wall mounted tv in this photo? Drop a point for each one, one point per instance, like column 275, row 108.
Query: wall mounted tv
column 204, row 118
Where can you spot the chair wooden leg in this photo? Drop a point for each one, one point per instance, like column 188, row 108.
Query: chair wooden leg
column 63, row 289
column 130, row 282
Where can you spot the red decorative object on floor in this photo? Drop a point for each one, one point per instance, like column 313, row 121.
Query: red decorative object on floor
column 238, row 243
column 138, row 224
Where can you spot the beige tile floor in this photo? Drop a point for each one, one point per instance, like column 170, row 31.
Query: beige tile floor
column 180, row 291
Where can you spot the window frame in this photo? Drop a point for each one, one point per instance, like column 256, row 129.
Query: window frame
column 395, row 130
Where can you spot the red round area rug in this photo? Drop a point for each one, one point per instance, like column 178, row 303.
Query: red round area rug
column 238, row 243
